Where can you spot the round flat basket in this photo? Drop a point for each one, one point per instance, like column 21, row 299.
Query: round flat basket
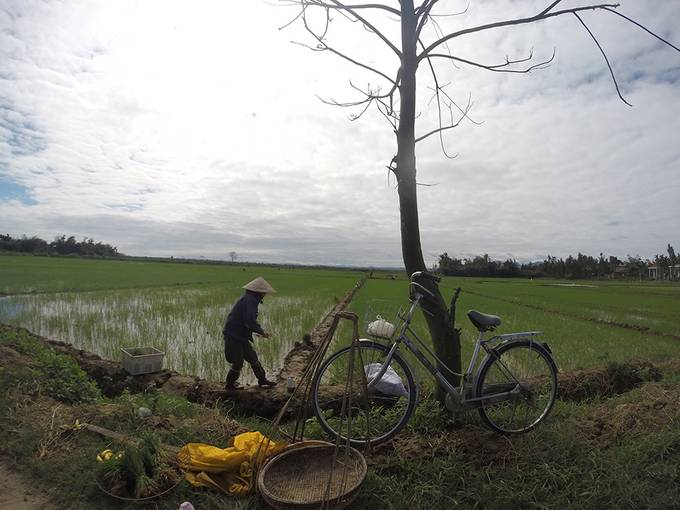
column 138, row 500
column 306, row 477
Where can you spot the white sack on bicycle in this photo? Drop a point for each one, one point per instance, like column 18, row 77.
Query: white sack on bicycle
column 380, row 328
column 390, row 384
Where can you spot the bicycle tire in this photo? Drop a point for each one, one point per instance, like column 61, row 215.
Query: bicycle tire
column 534, row 368
column 387, row 415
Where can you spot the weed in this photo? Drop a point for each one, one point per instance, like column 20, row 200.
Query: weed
column 429, row 417
column 56, row 375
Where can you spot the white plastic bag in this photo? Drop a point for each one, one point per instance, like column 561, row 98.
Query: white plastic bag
column 389, row 384
column 380, row 328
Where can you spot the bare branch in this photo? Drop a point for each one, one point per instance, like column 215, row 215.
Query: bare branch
column 466, row 111
column 643, row 28
column 297, row 17
column 339, row 6
column 427, row 15
column 517, row 21
column 439, row 107
column 547, row 9
column 439, row 130
column 365, row 66
column 425, row 8
column 440, row 33
column 451, row 14
column 370, row 97
column 349, row 104
column 372, row 94
column 322, row 46
column 605, row 58
column 357, row 116
column 389, row 114
column 357, row 6
column 500, row 68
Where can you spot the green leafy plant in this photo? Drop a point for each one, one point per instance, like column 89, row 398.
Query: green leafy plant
column 139, row 471
column 56, row 375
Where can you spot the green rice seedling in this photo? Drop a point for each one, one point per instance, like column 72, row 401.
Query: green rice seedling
column 25, row 274
column 576, row 339
column 132, row 468
column 185, row 322
column 134, row 471
column 150, row 452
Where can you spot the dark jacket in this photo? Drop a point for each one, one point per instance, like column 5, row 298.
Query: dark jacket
column 242, row 319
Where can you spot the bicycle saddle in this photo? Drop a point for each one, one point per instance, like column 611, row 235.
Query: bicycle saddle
column 484, row 321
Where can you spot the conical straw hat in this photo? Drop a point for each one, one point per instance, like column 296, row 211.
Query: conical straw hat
column 259, row 284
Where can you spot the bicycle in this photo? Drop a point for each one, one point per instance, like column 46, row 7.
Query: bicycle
column 514, row 387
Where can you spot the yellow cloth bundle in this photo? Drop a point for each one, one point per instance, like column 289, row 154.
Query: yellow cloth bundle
column 229, row 470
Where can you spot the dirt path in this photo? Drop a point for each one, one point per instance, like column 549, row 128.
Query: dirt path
column 18, row 494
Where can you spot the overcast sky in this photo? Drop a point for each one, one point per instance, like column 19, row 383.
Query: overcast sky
column 193, row 128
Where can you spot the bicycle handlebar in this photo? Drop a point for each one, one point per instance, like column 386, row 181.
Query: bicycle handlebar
column 425, row 274
column 422, row 288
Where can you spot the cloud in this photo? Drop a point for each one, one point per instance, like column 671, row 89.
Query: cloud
column 176, row 129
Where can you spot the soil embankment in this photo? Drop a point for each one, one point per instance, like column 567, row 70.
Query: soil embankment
column 112, row 379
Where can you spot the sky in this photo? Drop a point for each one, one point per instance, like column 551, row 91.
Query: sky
column 196, row 129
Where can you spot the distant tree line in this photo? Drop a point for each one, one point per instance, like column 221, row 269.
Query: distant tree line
column 478, row 266
column 61, row 245
column 580, row 266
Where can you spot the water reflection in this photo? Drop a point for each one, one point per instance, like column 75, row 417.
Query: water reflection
column 185, row 323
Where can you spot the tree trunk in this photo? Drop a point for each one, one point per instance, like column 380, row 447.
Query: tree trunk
column 445, row 338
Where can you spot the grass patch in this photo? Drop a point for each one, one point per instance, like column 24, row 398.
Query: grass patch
column 556, row 466
column 617, row 452
column 52, row 374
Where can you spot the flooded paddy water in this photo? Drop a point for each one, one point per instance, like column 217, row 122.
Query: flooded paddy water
column 186, row 323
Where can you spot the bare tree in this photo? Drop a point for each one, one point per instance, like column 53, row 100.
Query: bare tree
column 424, row 42
column 233, row 256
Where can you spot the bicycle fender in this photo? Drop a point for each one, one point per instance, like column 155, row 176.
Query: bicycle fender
column 542, row 346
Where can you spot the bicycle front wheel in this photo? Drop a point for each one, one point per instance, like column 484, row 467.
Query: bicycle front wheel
column 373, row 416
column 525, row 373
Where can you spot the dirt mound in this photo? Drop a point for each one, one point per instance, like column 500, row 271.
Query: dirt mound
column 475, row 443
column 614, row 379
column 650, row 409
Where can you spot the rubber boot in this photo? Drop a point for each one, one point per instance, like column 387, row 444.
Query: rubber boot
column 262, row 380
column 232, row 377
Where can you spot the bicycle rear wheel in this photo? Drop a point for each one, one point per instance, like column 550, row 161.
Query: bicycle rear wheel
column 527, row 371
column 376, row 416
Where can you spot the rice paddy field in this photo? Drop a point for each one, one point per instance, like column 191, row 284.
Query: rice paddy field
column 586, row 323
column 103, row 305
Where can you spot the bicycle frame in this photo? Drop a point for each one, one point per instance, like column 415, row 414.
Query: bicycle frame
column 458, row 394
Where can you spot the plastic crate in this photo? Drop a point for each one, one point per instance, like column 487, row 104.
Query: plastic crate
column 142, row 360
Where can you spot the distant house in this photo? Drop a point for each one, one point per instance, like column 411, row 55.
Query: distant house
column 674, row 272
column 620, row 271
column 664, row 273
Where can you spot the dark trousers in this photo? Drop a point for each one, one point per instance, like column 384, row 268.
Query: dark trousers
column 236, row 351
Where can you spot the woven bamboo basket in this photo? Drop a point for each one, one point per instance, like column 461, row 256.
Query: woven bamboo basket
column 305, row 477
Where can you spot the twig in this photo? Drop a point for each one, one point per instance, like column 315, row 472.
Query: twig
column 605, row 58
column 516, row 21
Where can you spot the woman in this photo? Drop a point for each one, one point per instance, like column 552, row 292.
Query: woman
column 238, row 334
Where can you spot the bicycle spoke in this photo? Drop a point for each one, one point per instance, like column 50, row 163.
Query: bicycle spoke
column 376, row 415
column 526, row 365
